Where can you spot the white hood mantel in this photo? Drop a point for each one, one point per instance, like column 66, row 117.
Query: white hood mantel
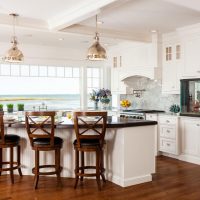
column 143, row 71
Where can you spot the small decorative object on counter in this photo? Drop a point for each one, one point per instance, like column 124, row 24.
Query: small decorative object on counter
column 125, row 103
column 174, row 108
column 101, row 95
column 1, row 107
column 69, row 115
column 20, row 107
column 10, row 107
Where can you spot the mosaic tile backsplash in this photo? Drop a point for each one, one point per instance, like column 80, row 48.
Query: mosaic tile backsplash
column 151, row 98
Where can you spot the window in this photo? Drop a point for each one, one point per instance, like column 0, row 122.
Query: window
column 93, row 81
column 168, row 53
column 57, row 87
column 178, row 52
column 43, row 71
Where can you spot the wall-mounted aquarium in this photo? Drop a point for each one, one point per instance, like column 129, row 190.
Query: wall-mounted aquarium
column 190, row 95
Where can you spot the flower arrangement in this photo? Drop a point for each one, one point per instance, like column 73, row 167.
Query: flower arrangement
column 100, row 95
column 125, row 103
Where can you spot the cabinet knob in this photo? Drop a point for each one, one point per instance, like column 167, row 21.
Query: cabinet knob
column 168, row 131
column 168, row 144
column 198, row 124
column 167, row 121
column 198, row 71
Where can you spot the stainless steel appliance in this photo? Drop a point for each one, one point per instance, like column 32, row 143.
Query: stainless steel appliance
column 137, row 113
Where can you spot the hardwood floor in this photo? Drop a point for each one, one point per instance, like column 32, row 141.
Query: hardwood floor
column 174, row 180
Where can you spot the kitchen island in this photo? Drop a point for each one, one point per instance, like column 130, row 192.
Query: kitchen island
column 129, row 151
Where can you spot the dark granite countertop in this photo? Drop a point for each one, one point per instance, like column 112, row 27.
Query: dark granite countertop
column 113, row 122
column 190, row 114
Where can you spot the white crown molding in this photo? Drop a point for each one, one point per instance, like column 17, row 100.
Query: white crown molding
column 77, row 15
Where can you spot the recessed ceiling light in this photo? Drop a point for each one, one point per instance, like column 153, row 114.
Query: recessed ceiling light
column 85, row 41
column 106, row 44
column 100, row 22
column 61, row 39
column 154, row 31
column 28, row 35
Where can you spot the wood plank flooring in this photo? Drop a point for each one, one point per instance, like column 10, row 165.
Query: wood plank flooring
column 174, row 180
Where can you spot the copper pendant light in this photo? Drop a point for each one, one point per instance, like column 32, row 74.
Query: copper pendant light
column 14, row 54
column 96, row 51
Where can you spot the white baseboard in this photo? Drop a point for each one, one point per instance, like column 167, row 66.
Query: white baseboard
column 184, row 157
column 170, row 155
column 130, row 181
column 189, row 158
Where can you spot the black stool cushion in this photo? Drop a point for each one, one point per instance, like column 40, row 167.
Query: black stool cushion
column 46, row 141
column 10, row 138
column 88, row 142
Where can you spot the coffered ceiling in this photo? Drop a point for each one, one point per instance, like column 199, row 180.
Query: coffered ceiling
column 45, row 22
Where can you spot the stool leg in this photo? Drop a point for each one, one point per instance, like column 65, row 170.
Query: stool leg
column 57, row 163
column 102, row 166
column 76, row 167
column 1, row 158
column 19, row 160
column 82, row 164
column 36, row 179
column 11, row 165
column 98, row 169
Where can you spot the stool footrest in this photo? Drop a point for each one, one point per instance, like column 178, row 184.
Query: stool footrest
column 8, row 168
column 47, row 173
column 102, row 170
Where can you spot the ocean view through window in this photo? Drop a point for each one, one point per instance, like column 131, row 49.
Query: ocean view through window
column 93, row 82
column 56, row 87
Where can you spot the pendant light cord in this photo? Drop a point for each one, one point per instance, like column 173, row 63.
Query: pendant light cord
column 96, row 34
column 14, row 20
column 96, row 24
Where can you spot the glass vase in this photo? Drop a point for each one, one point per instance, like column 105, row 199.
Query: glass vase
column 96, row 105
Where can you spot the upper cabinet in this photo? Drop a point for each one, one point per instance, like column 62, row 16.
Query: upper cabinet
column 172, row 63
column 190, row 39
column 191, row 66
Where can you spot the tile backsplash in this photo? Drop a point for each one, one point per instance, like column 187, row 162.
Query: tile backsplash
column 151, row 97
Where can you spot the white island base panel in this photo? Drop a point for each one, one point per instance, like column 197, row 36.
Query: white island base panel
column 129, row 154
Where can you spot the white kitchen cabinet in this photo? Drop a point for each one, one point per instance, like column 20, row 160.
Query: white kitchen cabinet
column 151, row 117
column 117, row 86
column 168, row 134
column 191, row 67
column 190, row 129
column 172, row 63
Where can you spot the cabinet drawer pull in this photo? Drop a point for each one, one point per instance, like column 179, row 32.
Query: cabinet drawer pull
column 198, row 124
column 167, row 121
column 168, row 144
column 168, row 131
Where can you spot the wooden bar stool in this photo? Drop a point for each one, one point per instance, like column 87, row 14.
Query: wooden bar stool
column 9, row 141
column 90, row 128
column 40, row 128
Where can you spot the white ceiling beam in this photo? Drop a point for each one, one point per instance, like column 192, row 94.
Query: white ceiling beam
column 77, row 15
